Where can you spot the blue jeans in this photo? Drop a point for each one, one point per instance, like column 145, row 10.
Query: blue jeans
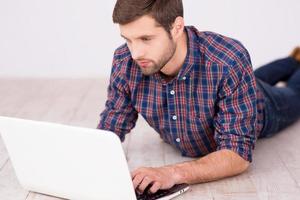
column 282, row 104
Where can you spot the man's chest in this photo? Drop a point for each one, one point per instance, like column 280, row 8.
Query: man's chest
column 181, row 112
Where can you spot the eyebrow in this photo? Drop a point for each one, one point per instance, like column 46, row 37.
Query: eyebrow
column 124, row 37
column 142, row 36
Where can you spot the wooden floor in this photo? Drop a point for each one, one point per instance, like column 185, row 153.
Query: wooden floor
column 274, row 173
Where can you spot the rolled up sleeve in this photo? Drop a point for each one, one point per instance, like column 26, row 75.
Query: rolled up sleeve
column 237, row 109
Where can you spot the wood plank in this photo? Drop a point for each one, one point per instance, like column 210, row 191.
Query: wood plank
column 241, row 184
column 287, row 145
column 91, row 105
column 278, row 196
column 196, row 192
column 18, row 94
column 3, row 153
column 10, row 189
column 273, row 181
column 236, row 196
column 65, row 99
column 41, row 101
column 37, row 196
column 265, row 155
column 145, row 147
column 295, row 173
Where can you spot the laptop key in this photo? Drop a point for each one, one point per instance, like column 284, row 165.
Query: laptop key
column 160, row 193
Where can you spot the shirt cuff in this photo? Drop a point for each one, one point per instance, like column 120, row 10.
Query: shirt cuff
column 242, row 150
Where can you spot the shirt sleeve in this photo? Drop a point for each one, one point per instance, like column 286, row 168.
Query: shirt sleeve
column 237, row 109
column 119, row 115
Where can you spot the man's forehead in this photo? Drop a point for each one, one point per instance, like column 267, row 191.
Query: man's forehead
column 144, row 26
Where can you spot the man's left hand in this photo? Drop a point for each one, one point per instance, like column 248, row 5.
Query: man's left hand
column 159, row 177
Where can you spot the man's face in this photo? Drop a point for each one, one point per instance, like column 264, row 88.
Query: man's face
column 150, row 45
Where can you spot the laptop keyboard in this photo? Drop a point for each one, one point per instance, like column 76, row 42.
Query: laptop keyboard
column 156, row 195
column 159, row 193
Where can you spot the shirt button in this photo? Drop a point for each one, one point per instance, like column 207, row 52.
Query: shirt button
column 174, row 117
column 178, row 140
column 172, row 92
column 183, row 78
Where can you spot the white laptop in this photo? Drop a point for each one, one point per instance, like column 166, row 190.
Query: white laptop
column 71, row 162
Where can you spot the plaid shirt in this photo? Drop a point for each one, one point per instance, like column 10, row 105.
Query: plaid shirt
column 212, row 104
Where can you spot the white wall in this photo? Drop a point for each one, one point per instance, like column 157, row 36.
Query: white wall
column 76, row 38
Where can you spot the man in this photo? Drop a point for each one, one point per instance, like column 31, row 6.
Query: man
column 196, row 89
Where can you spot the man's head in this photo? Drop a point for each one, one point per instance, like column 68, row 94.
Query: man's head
column 151, row 29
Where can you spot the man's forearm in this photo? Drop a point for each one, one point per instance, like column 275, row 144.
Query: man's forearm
column 214, row 166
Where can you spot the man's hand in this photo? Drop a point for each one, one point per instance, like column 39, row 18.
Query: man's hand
column 214, row 166
column 160, row 178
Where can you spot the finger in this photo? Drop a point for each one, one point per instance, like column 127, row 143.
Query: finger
column 155, row 187
column 137, row 180
column 146, row 181
column 134, row 173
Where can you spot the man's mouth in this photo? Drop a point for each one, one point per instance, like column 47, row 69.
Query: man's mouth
column 143, row 63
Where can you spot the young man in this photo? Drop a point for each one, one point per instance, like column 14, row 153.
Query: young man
column 196, row 89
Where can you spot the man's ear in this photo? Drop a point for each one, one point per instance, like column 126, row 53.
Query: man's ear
column 177, row 28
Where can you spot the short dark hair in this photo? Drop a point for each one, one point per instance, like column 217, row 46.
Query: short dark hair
column 163, row 11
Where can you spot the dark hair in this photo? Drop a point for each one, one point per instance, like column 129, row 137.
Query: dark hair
column 163, row 11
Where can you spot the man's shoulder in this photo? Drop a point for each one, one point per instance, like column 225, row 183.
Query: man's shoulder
column 122, row 60
column 123, row 67
column 219, row 48
column 122, row 53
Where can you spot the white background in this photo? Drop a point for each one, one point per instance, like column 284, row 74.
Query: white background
column 76, row 38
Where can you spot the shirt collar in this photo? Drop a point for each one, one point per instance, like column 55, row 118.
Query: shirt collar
column 191, row 56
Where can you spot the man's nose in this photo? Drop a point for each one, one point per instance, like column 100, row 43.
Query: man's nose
column 137, row 52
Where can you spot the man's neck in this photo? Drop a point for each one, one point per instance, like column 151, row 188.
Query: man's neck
column 173, row 67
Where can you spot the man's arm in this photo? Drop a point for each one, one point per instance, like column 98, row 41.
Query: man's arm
column 214, row 166
column 119, row 115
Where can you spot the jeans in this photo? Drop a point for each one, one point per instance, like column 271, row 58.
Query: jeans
column 282, row 104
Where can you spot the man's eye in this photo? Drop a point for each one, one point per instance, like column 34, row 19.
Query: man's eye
column 146, row 39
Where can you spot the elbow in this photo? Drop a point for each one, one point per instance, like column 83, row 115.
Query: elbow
column 245, row 166
column 242, row 166
column 239, row 164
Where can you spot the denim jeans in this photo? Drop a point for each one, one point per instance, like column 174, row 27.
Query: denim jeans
column 282, row 104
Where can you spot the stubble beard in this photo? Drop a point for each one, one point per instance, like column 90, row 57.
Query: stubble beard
column 155, row 67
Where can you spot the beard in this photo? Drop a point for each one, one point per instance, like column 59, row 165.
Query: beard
column 155, row 66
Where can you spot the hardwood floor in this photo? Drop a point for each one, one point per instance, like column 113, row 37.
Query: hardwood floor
column 274, row 173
